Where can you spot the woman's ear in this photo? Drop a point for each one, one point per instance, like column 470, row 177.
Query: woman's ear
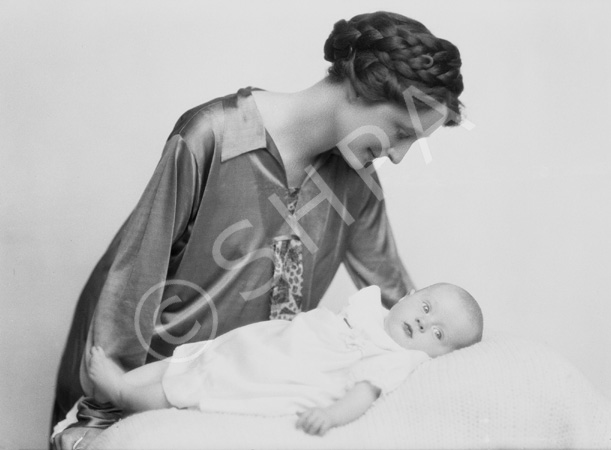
column 351, row 95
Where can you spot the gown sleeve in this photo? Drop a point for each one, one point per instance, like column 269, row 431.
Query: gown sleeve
column 372, row 257
column 387, row 372
column 123, row 320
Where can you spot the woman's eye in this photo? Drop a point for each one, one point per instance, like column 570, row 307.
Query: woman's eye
column 438, row 334
column 426, row 308
column 400, row 135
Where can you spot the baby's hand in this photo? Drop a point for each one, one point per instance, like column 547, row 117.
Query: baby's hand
column 315, row 421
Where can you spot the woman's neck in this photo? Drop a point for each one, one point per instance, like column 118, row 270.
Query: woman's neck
column 302, row 124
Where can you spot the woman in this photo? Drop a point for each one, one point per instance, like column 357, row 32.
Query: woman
column 257, row 200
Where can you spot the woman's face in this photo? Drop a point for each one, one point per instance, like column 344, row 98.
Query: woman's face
column 373, row 130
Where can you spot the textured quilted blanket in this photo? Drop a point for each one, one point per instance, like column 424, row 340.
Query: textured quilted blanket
column 504, row 392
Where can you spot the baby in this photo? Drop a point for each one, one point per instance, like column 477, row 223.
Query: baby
column 327, row 368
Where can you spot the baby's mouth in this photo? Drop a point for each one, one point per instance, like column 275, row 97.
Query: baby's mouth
column 408, row 329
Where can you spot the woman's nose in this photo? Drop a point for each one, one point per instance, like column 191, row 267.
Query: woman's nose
column 397, row 153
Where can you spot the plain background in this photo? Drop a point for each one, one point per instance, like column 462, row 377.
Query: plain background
column 516, row 210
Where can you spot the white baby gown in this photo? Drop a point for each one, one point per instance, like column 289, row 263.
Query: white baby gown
column 279, row 367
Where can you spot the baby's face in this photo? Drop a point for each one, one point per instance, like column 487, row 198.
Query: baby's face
column 432, row 320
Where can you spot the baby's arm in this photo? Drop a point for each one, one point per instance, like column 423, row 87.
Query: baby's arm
column 350, row 407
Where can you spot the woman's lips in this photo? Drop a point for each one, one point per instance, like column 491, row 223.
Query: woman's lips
column 372, row 156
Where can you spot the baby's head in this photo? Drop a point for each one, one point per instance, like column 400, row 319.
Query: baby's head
column 437, row 320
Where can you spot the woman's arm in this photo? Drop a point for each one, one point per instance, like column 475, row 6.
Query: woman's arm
column 350, row 407
column 137, row 259
column 371, row 255
column 141, row 260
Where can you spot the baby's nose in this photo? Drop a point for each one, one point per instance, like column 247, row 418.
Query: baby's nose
column 421, row 324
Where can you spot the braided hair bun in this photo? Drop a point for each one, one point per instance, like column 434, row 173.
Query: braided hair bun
column 383, row 54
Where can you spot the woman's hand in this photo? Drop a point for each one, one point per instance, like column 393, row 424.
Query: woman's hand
column 75, row 438
column 315, row 421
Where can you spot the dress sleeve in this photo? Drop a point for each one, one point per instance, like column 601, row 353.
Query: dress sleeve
column 387, row 371
column 372, row 256
column 123, row 319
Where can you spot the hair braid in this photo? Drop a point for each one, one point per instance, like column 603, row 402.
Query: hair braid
column 382, row 54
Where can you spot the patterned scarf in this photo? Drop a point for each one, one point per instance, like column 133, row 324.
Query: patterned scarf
column 288, row 271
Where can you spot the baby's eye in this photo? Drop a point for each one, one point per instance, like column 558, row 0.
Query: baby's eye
column 438, row 333
column 426, row 308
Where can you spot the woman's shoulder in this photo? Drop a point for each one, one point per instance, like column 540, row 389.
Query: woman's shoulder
column 230, row 123
column 201, row 118
column 213, row 111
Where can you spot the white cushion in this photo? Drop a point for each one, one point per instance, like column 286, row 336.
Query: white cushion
column 504, row 392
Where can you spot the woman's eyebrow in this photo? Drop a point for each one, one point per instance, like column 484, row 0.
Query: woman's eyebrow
column 411, row 130
column 405, row 126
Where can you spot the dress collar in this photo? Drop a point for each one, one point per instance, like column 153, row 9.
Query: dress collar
column 243, row 129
